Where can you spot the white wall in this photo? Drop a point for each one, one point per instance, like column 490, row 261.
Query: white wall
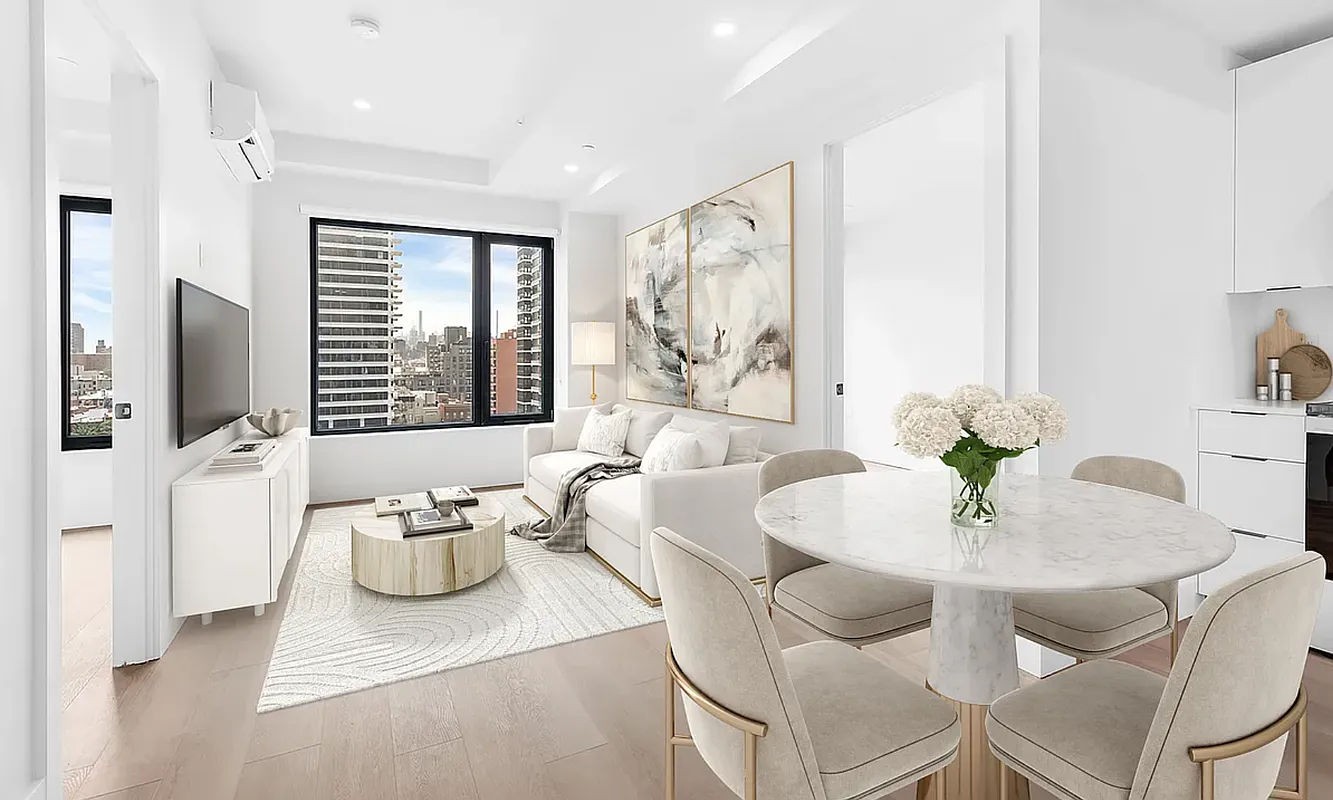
column 874, row 67
column 355, row 466
column 1135, row 231
column 85, row 489
column 914, row 265
column 593, row 247
column 22, row 688
column 198, row 226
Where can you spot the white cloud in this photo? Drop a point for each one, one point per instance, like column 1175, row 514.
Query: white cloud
column 88, row 302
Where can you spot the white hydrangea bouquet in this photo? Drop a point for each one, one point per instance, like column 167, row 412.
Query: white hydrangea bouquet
column 972, row 431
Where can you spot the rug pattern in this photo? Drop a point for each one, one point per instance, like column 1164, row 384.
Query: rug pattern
column 338, row 637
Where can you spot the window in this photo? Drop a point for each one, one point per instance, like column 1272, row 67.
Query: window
column 404, row 319
column 85, row 318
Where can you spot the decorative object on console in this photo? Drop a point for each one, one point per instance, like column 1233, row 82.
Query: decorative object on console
column 1310, row 371
column 1272, row 343
column 657, row 311
column 972, row 431
column 592, row 344
column 604, row 432
column 245, row 454
column 275, row 421
column 741, row 277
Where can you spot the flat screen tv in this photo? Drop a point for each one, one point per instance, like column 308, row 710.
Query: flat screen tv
column 212, row 362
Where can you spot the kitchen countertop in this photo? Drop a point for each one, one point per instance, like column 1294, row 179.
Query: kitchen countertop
column 1295, row 408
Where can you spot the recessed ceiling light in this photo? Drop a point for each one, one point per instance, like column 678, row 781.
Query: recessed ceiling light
column 366, row 28
column 724, row 29
column 589, row 148
column 361, row 104
column 571, row 168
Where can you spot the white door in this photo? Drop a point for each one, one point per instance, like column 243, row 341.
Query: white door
column 914, row 279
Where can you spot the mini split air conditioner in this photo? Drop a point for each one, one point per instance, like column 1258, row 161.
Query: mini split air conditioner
column 240, row 132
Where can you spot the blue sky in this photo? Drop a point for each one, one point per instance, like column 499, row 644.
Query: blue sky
column 437, row 281
column 90, row 275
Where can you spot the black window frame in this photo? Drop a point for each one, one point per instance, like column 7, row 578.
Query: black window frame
column 481, row 327
column 70, row 204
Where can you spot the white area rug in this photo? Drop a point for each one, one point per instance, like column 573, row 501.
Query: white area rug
column 338, row 637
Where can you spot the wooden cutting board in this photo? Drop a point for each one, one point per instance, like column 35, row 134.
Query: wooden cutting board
column 1272, row 343
column 1310, row 371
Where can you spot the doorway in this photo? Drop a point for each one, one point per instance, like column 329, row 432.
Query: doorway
column 919, row 294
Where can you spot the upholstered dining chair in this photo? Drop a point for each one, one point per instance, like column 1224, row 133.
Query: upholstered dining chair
column 1091, row 625
column 818, row 721
column 837, row 602
column 1214, row 729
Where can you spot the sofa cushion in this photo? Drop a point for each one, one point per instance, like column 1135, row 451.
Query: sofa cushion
column 673, row 449
column 569, row 424
column 604, row 432
column 643, row 426
column 548, row 467
column 615, row 504
column 713, row 437
column 743, row 445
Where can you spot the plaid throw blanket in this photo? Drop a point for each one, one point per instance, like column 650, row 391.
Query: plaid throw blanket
column 565, row 531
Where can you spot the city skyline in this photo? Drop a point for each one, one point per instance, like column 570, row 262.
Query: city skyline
column 437, row 282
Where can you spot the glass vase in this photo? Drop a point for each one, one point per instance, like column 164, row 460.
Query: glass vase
column 974, row 505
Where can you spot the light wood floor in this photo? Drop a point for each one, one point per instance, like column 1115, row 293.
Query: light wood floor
column 581, row 721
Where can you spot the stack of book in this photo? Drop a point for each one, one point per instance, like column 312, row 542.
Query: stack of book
column 458, row 495
column 247, row 454
column 433, row 520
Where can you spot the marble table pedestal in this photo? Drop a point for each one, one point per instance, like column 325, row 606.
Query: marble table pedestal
column 973, row 662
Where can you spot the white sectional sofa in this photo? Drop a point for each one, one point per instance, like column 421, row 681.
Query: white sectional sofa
column 713, row 506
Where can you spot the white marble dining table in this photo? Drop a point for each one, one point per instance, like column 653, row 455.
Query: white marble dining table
column 1053, row 535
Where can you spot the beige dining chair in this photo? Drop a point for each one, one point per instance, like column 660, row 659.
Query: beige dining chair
column 1214, row 729
column 818, row 721
column 1091, row 625
column 837, row 602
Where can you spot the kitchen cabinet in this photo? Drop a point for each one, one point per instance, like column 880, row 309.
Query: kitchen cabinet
column 1284, row 170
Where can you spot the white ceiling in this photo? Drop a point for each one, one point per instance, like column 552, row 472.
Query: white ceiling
column 1256, row 29
column 455, row 77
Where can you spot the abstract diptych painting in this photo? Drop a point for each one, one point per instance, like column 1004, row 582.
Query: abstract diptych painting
column 656, row 311
column 709, row 303
column 741, row 304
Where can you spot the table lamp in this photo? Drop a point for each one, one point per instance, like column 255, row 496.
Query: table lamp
column 592, row 344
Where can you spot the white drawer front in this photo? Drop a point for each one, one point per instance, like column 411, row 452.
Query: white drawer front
column 1280, row 436
column 1266, row 497
column 1252, row 553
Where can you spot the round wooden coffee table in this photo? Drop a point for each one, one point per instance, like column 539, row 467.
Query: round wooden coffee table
column 385, row 562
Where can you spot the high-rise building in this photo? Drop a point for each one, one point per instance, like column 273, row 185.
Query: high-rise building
column 75, row 337
column 450, row 365
column 529, row 330
column 504, row 373
column 360, row 295
column 453, row 333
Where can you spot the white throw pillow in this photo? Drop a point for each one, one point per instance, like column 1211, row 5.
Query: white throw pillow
column 743, row 446
column 569, row 424
column 604, row 433
column 643, row 426
column 672, row 449
column 713, row 438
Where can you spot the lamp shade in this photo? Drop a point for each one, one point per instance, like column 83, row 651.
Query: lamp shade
column 592, row 343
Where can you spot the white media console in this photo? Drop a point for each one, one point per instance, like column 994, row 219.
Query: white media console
column 233, row 531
